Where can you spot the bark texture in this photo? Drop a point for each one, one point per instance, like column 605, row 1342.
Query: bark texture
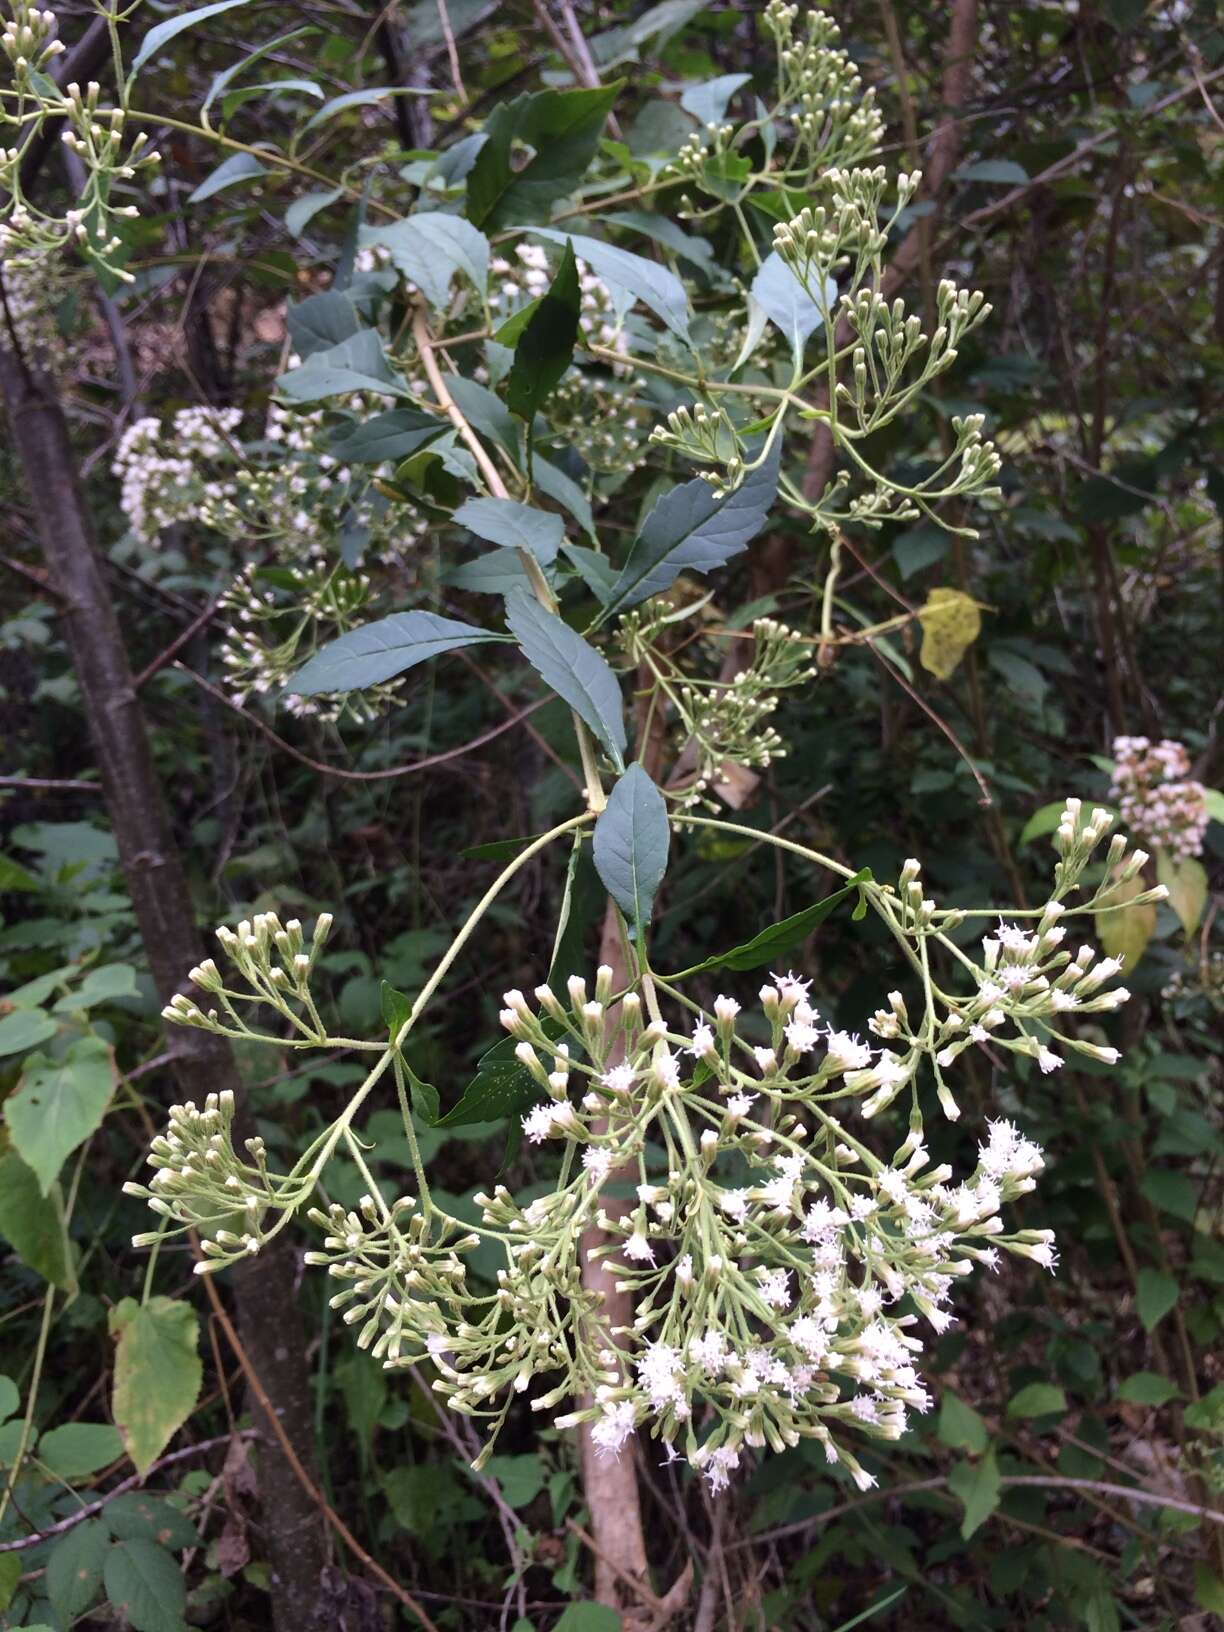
column 157, row 882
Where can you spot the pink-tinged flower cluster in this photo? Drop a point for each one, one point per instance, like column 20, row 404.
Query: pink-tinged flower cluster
column 1156, row 796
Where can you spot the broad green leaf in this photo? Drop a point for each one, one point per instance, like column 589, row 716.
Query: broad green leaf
column 74, row 1450
column 595, row 570
column 951, row 622
column 498, row 573
column 501, row 1087
column 157, row 1373
column 10, row 1398
column 388, row 436
column 545, row 348
column 1155, row 1295
column 356, row 364
column 1042, row 821
column 321, row 321
column 1186, row 881
column 1208, row 1589
column 588, row 1618
column 1037, row 1400
column 102, row 985
column 1003, row 172
column 692, row 529
column 237, row 168
column 430, row 247
column 787, row 304
column 58, row 1104
column 654, row 285
column 919, row 547
column 574, row 670
column 228, row 75
column 978, row 1486
column 139, row 1515
column 659, row 23
column 563, row 128
column 1212, row 798
column 773, row 943
column 74, row 1568
column 960, row 1426
column 1147, row 1388
column 632, row 837
column 1123, row 928
column 303, row 210
column 379, row 651
column 563, row 490
column 13, row 877
column 360, row 99
column 145, row 1584
column 32, row 1223
column 698, row 252
column 10, row 1577
column 163, row 33
column 486, row 412
column 708, row 101
column 521, row 1478
column 25, row 1028
column 514, row 525
column 1173, row 1192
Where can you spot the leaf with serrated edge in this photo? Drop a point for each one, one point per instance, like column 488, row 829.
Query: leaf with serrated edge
column 514, row 525
column 691, row 529
column 654, row 285
column 157, row 1373
column 632, row 837
column 575, row 670
column 781, row 937
column 58, row 1104
column 379, row 651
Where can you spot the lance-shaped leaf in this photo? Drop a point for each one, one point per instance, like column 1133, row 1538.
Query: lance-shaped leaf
column 575, row 671
column 545, row 348
column 163, row 33
column 562, row 127
column 393, row 435
column 157, row 1373
column 691, row 529
column 654, row 285
column 632, row 837
column 381, row 650
column 430, row 247
column 514, row 525
column 778, row 294
column 356, row 364
column 773, row 943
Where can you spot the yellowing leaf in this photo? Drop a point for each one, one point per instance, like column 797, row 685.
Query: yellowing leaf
column 1186, row 883
column 1125, row 930
column 951, row 622
column 157, row 1373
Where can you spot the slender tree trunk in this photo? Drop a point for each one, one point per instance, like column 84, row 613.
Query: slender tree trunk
column 156, row 880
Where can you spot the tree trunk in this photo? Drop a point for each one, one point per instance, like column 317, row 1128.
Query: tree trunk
column 201, row 1063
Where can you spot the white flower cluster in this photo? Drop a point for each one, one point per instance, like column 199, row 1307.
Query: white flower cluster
column 513, row 286
column 160, row 482
column 1157, row 798
column 783, row 1272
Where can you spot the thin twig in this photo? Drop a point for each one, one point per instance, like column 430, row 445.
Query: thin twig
column 50, row 784
column 176, row 645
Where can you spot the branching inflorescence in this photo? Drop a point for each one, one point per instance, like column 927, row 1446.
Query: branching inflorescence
column 783, row 1271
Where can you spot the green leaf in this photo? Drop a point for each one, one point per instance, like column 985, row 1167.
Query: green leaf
column 1155, row 1295
column 430, row 247
column 708, row 101
column 140, row 1516
column 1208, row 1589
column 632, row 837
column 514, row 525
column 1147, row 1388
column 545, row 348
column 58, row 1104
column 564, row 491
column 321, row 321
column 698, row 252
column 655, row 286
column 595, row 570
column 303, row 210
column 13, row 876
column 392, row 435
column 521, row 1477
column 692, row 529
column 497, row 573
column 773, row 943
column 157, row 1373
column 10, row 1398
column 1042, row 821
column 1003, row 172
column 786, row 303
column 237, row 168
column 978, row 1487
column 356, row 364
column 919, row 547
column 163, row 33
column 32, row 1223
column 1186, row 882
column 74, row 1568
column 24, row 1028
column 501, row 1087
column 563, row 128
column 144, row 1583
column 1212, row 798
column 10, row 1577
column 574, row 670
column 1037, row 1400
column 360, row 99
column 1172, row 1192
column 380, row 650
column 74, row 1450
column 960, row 1426
column 102, row 985
column 588, row 1618
column 228, row 75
